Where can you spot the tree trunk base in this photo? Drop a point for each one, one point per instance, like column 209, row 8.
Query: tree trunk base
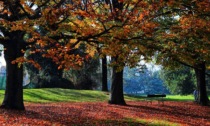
column 200, row 69
column 204, row 103
column 117, row 103
column 12, row 107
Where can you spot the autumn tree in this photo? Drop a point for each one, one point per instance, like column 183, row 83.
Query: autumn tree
column 13, row 40
column 136, row 29
column 185, row 39
column 65, row 30
column 118, row 26
column 19, row 20
column 124, row 29
column 131, row 22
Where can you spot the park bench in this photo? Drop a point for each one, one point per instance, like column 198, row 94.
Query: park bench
column 155, row 97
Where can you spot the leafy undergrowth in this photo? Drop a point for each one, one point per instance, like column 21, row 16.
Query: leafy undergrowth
column 103, row 114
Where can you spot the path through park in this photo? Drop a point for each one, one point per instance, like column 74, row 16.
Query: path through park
column 101, row 113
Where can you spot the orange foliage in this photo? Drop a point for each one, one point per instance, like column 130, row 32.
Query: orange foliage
column 119, row 32
column 187, row 40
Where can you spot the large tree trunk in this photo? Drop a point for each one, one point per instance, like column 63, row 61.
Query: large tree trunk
column 14, row 78
column 116, row 96
column 201, row 83
column 104, row 74
column 116, row 93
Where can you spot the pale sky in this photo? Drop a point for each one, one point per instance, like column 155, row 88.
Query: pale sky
column 2, row 60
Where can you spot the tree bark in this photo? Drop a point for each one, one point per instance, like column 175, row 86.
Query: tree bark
column 14, row 78
column 116, row 94
column 104, row 74
column 201, row 83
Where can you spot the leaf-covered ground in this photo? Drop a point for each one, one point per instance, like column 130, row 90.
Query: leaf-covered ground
column 103, row 114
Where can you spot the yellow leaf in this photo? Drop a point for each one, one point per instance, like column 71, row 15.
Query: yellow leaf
column 73, row 40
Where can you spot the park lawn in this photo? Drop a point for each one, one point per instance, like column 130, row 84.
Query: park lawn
column 62, row 95
column 43, row 106
column 45, row 95
column 180, row 98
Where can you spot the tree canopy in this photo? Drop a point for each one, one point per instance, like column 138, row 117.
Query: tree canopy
column 126, row 30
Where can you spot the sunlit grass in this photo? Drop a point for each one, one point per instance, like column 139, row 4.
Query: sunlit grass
column 62, row 95
column 167, row 98
column 139, row 121
column 135, row 122
column 180, row 97
column 46, row 95
column 1, row 95
column 156, row 122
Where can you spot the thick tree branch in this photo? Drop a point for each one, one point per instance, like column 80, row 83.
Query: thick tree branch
column 59, row 4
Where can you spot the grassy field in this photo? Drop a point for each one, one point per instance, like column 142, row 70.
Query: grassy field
column 46, row 95
column 68, row 95
column 180, row 97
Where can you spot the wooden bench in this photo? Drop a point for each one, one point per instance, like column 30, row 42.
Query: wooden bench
column 157, row 97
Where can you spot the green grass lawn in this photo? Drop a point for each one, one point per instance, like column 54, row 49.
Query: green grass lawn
column 68, row 95
column 46, row 95
column 180, row 97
